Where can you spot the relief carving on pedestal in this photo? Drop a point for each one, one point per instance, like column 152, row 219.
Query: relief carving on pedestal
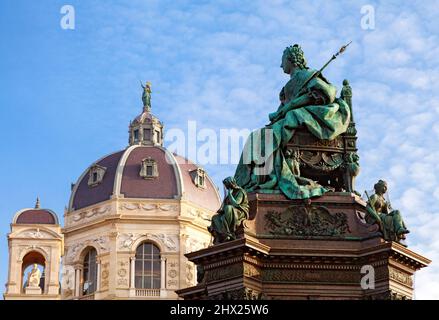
column 251, row 271
column 388, row 295
column 306, row 221
column 401, row 277
column 223, row 272
column 306, row 275
column 239, row 294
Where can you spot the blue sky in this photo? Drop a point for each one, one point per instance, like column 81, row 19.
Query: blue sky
column 67, row 96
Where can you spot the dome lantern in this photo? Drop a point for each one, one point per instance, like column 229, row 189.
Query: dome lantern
column 146, row 129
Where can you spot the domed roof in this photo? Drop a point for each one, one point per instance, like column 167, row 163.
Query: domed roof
column 147, row 117
column 35, row 216
column 119, row 174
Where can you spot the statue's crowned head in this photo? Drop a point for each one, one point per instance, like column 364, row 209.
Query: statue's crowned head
column 295, row 55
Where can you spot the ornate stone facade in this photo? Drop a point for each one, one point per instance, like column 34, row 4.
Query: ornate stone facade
column 117, row 233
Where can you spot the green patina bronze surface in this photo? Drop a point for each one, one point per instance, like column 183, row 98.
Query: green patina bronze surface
column 380, row 212
column 234, row 210
column 146, row 96
column 307, row 100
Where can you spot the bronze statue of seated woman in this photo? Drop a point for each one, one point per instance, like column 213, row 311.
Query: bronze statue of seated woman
column 380, row 212
column 308, row 100
column 234, row 210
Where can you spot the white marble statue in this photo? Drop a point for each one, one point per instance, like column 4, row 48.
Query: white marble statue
column 34, row 277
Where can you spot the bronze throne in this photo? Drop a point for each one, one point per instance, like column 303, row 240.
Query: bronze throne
column 332, row 163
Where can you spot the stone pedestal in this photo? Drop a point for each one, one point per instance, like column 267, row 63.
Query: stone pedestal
column 320, row 249
column 32, row 290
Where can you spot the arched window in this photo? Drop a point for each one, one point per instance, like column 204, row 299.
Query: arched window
column 89, row 273
column 147, row 275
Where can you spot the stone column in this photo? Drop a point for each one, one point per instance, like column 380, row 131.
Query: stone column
column 77, row 280
column 47, row 276
column 163, row 277
column 98, row 276
column 52, row 271
column 141, row 138
column 163, row 273
column 133, row 271
column 132, row 291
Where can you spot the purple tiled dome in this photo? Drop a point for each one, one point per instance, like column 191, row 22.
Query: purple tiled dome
column 35, row 216
column 121, row 178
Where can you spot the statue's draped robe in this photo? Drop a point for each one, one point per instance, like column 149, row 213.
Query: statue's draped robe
column 392, row 223
column 326, row 121
column 230, row 215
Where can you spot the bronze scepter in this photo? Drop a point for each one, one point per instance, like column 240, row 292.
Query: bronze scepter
column 317, row 73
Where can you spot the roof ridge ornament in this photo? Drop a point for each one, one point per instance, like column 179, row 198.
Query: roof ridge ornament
column 37, row 203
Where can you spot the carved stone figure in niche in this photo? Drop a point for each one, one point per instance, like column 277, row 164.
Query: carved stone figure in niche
column 34, row 277
column 380, row 212
column 233, row 212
